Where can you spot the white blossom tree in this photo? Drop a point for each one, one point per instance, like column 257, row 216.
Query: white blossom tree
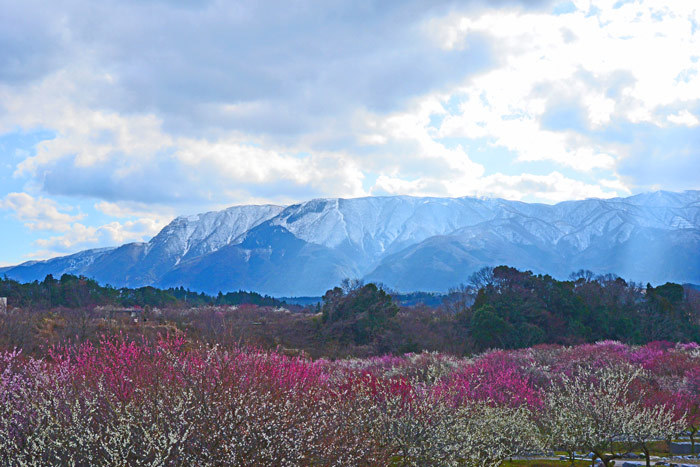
column 601, row 411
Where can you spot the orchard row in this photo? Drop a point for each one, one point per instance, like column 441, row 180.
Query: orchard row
column 176, row 403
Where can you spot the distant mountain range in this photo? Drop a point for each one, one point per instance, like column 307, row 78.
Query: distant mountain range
column 407, row 243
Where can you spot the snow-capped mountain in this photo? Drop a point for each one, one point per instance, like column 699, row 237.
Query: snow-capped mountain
column 408, row 243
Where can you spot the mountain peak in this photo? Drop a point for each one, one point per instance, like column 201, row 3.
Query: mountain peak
column 405, row 242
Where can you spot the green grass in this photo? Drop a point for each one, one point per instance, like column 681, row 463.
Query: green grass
column 543, row 463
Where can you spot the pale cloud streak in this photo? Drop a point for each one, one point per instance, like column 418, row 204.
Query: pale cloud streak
column 126, row 210
column 80, row 236
column 43, row 214
column 38, row 213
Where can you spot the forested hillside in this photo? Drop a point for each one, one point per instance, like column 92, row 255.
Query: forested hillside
column 81, row 292
column 499, row 308
column 517, row 309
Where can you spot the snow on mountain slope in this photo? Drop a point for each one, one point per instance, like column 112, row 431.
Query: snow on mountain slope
column 421, row 243
column 609, row 243
column 71, row 264
column 381, row 225
column 204, row 233
column 192, row 236
column 444, row 261
column 270, row 260
column 374, row 226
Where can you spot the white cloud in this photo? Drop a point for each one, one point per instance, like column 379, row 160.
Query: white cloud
column 553, row 187
column 132, row 209
column 80, row 236
column 632, row 63
column 43, row 214
column 598, row 102
column 684, row 118
column 629, row 63
column 116, row 233
column 38, row 213
column 132, row 158
column 77, row 234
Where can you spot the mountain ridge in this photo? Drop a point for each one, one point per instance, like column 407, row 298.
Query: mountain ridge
column 408, row 243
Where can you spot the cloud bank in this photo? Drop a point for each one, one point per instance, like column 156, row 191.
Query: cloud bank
column 160, row 108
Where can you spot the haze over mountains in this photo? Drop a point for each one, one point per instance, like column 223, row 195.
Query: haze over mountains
column 407, row 243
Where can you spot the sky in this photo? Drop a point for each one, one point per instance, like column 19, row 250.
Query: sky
column 116, row 116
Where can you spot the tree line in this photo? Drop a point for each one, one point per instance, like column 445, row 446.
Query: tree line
column 72, row 291
column 499, row 307
column 513, row 309
column 506, row 308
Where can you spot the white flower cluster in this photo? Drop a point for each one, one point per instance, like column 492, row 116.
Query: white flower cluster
column 129, row 405
column 601, row 411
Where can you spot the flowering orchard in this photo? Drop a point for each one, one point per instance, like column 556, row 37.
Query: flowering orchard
column 177, row 403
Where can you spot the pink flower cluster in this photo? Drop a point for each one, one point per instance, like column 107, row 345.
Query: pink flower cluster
column 173, row 402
